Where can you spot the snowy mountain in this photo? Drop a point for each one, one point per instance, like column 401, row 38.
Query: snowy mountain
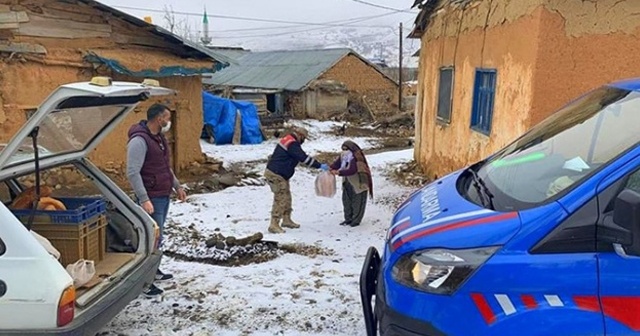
column 372, row 43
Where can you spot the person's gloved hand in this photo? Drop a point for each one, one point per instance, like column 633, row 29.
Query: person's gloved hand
column 324, row 167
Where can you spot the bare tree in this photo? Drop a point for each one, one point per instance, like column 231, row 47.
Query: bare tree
column 169, row 18
column 181, row 27
column 187, row 31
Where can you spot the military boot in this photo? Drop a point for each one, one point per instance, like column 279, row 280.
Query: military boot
column 274, row 227
column 288, row 223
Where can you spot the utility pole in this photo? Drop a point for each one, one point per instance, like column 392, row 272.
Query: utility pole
column 400, row 72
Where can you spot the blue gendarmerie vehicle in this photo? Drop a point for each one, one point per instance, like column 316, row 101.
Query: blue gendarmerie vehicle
column 541, row 238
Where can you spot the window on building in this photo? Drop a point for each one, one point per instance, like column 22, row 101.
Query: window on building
column 445, row 90
column 484, row 92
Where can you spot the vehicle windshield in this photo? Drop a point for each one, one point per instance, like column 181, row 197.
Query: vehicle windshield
column 558, row 153
column 66, row 131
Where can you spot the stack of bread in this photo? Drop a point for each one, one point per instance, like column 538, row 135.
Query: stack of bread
column 27, row 197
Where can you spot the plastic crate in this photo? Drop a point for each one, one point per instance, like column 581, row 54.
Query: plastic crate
column 85, row 240
column 79, row 209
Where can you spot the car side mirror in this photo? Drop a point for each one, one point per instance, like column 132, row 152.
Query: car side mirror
column 622, row 229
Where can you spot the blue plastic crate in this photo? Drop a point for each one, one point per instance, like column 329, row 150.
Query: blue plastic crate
column 79, row 209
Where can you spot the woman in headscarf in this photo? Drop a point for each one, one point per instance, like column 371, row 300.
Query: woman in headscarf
column 357, row 182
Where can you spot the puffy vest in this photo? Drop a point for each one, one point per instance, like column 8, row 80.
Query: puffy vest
column 156, row 170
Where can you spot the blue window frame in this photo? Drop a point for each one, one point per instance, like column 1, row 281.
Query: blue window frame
column 445, row 94
column 484, row 92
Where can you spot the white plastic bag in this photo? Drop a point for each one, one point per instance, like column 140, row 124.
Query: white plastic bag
column 82, row 271
column 326, row 185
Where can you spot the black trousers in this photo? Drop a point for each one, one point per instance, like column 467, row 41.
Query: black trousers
column 354, row 204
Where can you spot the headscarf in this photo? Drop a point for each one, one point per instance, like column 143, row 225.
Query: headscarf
column 345, row 159
column 364, row 172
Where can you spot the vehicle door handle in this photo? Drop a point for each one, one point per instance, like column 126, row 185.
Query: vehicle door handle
column 3, row 288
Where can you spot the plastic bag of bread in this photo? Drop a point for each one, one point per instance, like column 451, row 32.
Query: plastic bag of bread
column 326, row 185
column 82, row 271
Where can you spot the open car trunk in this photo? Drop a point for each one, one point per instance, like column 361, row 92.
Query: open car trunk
column 92, row 227
column 96, row 221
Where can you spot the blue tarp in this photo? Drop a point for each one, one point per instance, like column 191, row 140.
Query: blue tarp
column 220, row 114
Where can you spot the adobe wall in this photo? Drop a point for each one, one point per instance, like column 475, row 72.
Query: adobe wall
column 35, row 82
column 584, row 45
column 328, row 103
column 27, row 79
column 186, row 126
column 457, row 37
column 294, row 104
column 320, row 104
column 363, row 79
column 552, row 51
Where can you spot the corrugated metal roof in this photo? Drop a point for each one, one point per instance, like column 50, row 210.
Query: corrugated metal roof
column 289, row 70
column 232, row 53
column 191, row 46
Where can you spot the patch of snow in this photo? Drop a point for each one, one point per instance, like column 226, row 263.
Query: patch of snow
column 290, row 295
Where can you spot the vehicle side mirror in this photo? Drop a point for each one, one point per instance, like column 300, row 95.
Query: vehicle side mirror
column 623, row 228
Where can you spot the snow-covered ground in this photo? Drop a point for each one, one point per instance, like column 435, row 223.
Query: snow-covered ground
column 293, row 294
column 319, row 141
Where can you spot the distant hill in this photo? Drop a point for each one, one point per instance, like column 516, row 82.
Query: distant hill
column 374, row 44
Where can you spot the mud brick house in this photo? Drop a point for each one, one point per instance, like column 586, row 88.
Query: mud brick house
column 491, row 69
column 45, row 43
column 306, row 83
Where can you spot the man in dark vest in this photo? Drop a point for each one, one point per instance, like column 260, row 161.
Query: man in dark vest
column 149, row 172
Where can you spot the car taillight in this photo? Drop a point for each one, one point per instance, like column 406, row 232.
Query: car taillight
column 66, row 307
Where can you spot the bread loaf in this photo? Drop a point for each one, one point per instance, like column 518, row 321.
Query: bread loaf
column 46, row 202
column 26, row 198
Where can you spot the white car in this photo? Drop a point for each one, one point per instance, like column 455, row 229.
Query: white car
column 37, row 295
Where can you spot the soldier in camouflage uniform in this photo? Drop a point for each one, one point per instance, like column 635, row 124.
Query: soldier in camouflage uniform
column 280, row 168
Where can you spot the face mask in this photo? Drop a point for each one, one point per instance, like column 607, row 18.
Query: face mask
column 346, row 152
column 166, row 127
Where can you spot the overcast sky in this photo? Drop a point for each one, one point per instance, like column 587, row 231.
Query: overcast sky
column 309, row 11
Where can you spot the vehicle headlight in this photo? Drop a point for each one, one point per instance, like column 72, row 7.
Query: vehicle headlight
column 439, row 271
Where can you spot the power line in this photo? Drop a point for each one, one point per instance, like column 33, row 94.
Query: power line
column 300, row 25
column 302, row 31
column 383, row 7
column 258, row 28
column 230, row 17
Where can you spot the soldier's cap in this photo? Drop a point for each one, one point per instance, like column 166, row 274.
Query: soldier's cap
column 302, row 131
